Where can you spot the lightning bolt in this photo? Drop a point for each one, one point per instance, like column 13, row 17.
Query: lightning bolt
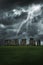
column 31, row 10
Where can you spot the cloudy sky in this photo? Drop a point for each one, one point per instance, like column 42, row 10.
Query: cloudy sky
column 21, row 19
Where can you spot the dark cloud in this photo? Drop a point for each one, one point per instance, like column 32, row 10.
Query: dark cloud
column 37, row 19
column 22, row 16
column 9, row 18
column 13, row 23
column 33, row 30
column 9, row 4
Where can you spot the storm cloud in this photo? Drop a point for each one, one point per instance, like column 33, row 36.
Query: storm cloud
column 21, row 21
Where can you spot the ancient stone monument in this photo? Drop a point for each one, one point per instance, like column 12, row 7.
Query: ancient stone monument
column 38, row 42
column 32, row 42
column 23, row 42
column 12, row 42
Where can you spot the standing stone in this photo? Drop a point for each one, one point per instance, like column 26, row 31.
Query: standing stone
column 23, row 42
column 7, row 42
column 16, row 42
column 12, row 42
column 38, row 43
column 32, row 42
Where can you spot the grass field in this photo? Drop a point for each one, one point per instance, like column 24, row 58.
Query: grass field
column 21, row 55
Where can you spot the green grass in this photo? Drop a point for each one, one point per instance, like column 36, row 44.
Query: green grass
column 21, row 55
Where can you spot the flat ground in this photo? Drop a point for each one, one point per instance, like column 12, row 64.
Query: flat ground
column 21, row 55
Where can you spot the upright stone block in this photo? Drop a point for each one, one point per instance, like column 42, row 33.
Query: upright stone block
column 23, row 42
column 12, row 42
column 32, row 42
column 38, row 43
column 16, row 41
column 7, row 42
